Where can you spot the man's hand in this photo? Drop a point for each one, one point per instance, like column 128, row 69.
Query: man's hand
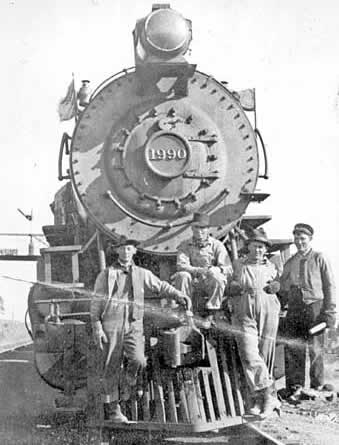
column 199, row 271
column 99, row 338
column 329, row 319
column 272, row 287
column 185, row 301
column 214, row 271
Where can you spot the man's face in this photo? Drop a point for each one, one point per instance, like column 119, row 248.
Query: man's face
column 302, row 241
column 126, row 253
column 200, row 233
column 256, row 250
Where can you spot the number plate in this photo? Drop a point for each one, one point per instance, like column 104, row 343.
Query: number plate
column 167, row 154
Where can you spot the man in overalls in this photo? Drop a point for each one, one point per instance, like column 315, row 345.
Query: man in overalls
column 203, row 265
column 117, row 320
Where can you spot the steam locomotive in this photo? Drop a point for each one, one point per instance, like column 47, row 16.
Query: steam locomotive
column 152, row 145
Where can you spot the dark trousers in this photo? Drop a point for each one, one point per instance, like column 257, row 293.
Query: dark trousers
column 124, row 340
column 300, row 318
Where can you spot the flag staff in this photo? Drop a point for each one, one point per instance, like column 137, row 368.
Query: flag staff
column 75, row 101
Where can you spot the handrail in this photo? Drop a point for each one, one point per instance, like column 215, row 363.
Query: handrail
column 265, row 175
column 109, row 79
column 141, row 220
column 63, row 144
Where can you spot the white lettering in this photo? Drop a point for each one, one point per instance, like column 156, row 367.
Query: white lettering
column 167, row 154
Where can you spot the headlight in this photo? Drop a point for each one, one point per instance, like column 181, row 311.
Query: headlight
column 167, row 31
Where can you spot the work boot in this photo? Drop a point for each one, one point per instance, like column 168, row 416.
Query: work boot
column 271, row 404
column 112, row 412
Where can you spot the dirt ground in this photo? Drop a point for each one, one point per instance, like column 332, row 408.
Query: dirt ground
column 311, row 422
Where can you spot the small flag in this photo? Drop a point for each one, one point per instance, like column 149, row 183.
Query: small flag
column 68, row 105
column 246, row 98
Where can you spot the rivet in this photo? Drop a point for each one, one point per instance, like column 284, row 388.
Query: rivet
column 75, row 161
column 171, row 112
column 249, row 148
column 246, row 136
column 212, row 158
column 213, row 91
column 236, row 116
column 241, row 126
column 202, row 132
column 222, row 98
column 230, row 107
column 189, row 119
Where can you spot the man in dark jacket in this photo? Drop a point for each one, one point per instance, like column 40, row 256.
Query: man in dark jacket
column 308, row 287
column 117, row 320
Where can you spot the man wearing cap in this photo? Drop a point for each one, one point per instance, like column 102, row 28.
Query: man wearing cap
column 308, row 288
column 202, row 263
column 117, row 320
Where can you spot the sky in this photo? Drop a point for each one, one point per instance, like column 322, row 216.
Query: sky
column 288, row 51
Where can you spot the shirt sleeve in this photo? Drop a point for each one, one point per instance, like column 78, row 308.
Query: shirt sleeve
column 183, row 260
column 222, row 259
column 328, row 285
column 162, row 288
column 285, row 278
column 100, row 295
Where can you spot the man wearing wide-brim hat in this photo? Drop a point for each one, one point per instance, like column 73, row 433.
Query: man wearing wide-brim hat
column 256, row 317
column 117, row 319
column 308, row 288
column 202, row 263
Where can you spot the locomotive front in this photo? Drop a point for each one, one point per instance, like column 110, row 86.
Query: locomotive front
column 161, row 141
column 151, row 146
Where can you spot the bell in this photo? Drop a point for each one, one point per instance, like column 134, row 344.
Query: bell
column 84, row 93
